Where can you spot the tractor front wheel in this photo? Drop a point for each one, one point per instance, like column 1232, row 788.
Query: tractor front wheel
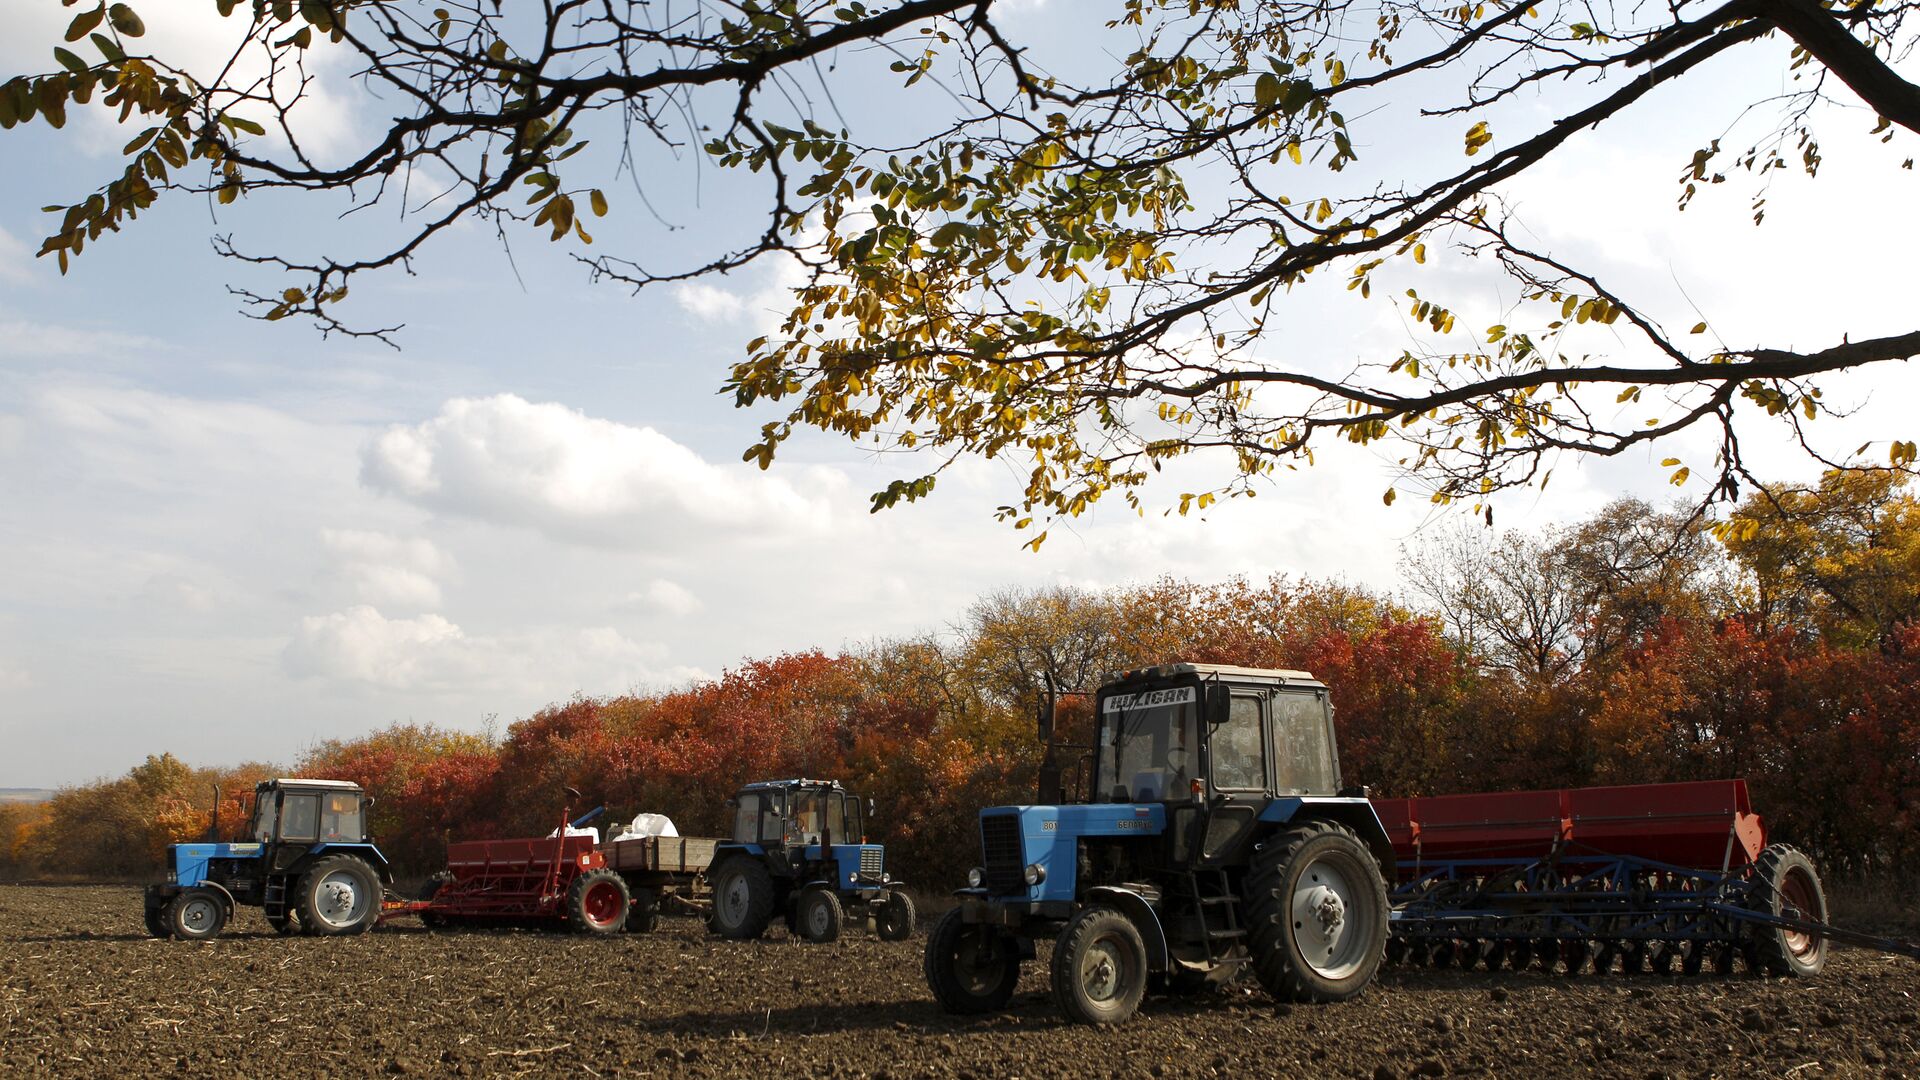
column 1099, row 967
column 597, row 902
column 895, row 918
column 338, row 895
column 1317, row 911
column 742, row 898
column 970, row 967
column 197, row 914
column 821, row 916
column 157, row 921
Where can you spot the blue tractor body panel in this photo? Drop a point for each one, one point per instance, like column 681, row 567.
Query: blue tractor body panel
column 1049, row 837
column 190, row 860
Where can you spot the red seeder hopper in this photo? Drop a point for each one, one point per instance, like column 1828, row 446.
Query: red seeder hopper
column 538, row 882
column 1648, row 876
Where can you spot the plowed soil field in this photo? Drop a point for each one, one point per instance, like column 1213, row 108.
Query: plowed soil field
column 84, row 992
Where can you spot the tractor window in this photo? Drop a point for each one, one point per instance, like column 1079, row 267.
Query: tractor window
column 746, row 818
column 1302, row 750
column 300, row 817
column 773, row 827
column 1146, row 751
column 261, row 828
column 340, row 818
column 1239, row 753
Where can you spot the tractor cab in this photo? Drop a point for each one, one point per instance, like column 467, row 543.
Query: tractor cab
column 305, row 856
column 1203, row 830
column 799, row 850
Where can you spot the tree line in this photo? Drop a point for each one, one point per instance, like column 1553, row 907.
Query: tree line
column 1640, row 645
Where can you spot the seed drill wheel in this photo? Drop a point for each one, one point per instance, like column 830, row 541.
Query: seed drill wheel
column 742, row 898
column 1099, row 967
column 597, row 902
column 196, row 914
column 896, row 917
column 1317, row 914
column 1785, row 884
column 820, row 916
column 1520, row 954
column 971, row 968
column 338, row 895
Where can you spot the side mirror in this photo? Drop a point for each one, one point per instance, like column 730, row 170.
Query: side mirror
column 869, row 808
column 367, row 801
column 733, row 804
column 1219, row 703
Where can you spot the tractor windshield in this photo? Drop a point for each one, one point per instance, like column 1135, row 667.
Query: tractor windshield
column 817, row 808
column 260, row 829
column 1146, row 747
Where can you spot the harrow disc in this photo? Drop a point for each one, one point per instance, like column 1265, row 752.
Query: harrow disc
column 1520, row 954
column 1660, row 957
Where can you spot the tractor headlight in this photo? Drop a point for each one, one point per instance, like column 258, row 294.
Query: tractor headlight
column 976, row 877
column 173, row 878
column 1036, row 874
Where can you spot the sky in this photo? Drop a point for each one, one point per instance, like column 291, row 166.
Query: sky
column 230, row 539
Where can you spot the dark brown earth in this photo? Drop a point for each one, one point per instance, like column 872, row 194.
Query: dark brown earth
column 83, row 991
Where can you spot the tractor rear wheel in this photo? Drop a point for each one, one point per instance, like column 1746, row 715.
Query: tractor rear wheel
column 197, row 914
column 1099, row 967
column 820, row 916
column 597, row 902
column 896, row 917
column 157, row 921
column 1786, row 885
column 338, row 895
column 742, row 898
column 433, row 920
column 643, row 915
column 1317, row 912
column 970, row 967
column 283, row 924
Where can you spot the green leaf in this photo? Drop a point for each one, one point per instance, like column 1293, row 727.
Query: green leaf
column 84, row 23
column 1266, row 90
column 69, row 61
column 125, row 21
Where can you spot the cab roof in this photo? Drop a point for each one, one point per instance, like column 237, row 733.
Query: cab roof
column 1226, row 672
column 295, row 781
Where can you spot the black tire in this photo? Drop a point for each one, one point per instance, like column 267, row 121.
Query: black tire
column 338, row 895
column 960, row 981
column 896, row 917
column 820, row 916
column 433, row 920
column 196, row 914
column 1184, row 982
column 742, row 899
column 597, row 903
column 1099, row 967
column 157, row 921
column 284, row 925
column 643, row 915
column 1352, row 928
column 1785, row 884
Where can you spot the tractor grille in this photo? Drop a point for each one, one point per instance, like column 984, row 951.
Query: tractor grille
column 1001, row 855
column 872, row 860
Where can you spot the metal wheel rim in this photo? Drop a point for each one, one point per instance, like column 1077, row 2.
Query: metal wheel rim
column 602, row 903
column 734, row 900
column 1797, row 890
column 339, row 900
column 199, row 913
column 978, row 979
column 1105, row 970
column 1325, row 900
column 819, row 919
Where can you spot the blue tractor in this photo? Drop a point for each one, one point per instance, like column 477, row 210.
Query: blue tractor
column 799, row 851
column 306, row 861
column 1209, row 833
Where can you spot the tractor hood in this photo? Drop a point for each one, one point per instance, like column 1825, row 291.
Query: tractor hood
column 1013, row 838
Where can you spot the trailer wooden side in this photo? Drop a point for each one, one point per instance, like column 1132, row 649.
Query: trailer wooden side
column 679, row 855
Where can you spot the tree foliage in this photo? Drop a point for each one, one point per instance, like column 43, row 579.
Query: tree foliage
column 1088, row 274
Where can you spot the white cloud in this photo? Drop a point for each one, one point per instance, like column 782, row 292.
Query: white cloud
column 429, row 653
column 47, row 341
column 664, row 597
column 388, row 570
column 708, row 303
column 547, row 467
column 16, row 261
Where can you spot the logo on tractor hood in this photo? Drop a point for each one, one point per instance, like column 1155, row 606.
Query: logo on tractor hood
column 1179, row 695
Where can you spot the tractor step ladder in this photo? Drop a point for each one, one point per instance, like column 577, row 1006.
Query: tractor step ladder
column 1224, row 900
column 273, row 899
